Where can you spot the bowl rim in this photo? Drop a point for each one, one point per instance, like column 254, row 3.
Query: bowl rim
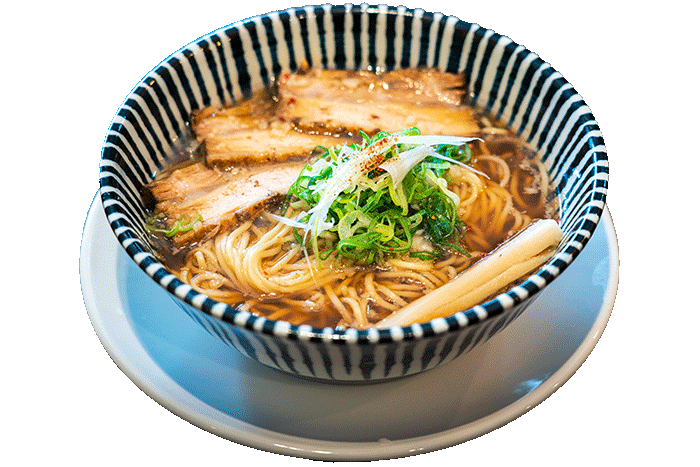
column 524, row 290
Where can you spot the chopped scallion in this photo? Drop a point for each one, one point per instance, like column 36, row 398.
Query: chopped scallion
column 374, row 196
column 178, row 227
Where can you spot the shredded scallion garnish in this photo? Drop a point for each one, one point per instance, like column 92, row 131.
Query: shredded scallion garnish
column 364, row 201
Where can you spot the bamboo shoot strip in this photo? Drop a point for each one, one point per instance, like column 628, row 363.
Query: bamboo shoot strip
column 507, row 263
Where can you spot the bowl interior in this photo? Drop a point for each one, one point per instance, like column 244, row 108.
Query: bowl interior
column 229, row 64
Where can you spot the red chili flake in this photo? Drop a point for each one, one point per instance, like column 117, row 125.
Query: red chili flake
column 282, row 119
column 374, row 116
column 292, row 100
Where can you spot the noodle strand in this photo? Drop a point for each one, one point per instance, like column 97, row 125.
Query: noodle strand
column 260, row 267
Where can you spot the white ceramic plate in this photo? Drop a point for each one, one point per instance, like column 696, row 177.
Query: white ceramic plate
column 214, row 387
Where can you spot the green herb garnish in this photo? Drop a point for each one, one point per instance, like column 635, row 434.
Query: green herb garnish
column 369, row 200
column 186, row 223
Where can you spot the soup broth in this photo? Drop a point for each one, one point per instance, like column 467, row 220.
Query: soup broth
column 227, row 223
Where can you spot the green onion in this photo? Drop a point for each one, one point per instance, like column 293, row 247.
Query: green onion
column 370, row 199
column 178, row 227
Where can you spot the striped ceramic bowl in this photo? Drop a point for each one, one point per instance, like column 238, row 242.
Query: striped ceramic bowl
column 514, row 84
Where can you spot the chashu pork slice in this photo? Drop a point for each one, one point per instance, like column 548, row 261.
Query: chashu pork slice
column 340, row 102
column 222, row 198
column 338, row 117
column 245, row 134
column 256, row 146
column 417, row 86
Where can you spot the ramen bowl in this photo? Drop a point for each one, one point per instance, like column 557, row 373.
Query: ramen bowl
column 231, row 63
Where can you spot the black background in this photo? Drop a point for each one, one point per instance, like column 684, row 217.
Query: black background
column 113, row 50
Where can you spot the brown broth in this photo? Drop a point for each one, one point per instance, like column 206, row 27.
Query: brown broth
column 484, row 229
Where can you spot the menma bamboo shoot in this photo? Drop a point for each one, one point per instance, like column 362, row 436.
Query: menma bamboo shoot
column 520, row 255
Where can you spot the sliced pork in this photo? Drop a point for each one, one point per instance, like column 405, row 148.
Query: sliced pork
column 341, row 102
column 251, row 133
column 221, row 198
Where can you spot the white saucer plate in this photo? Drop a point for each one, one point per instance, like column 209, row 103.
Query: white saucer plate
column 214, row 387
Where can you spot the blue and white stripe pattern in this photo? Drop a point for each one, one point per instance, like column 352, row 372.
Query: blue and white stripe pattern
column 229, row 64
